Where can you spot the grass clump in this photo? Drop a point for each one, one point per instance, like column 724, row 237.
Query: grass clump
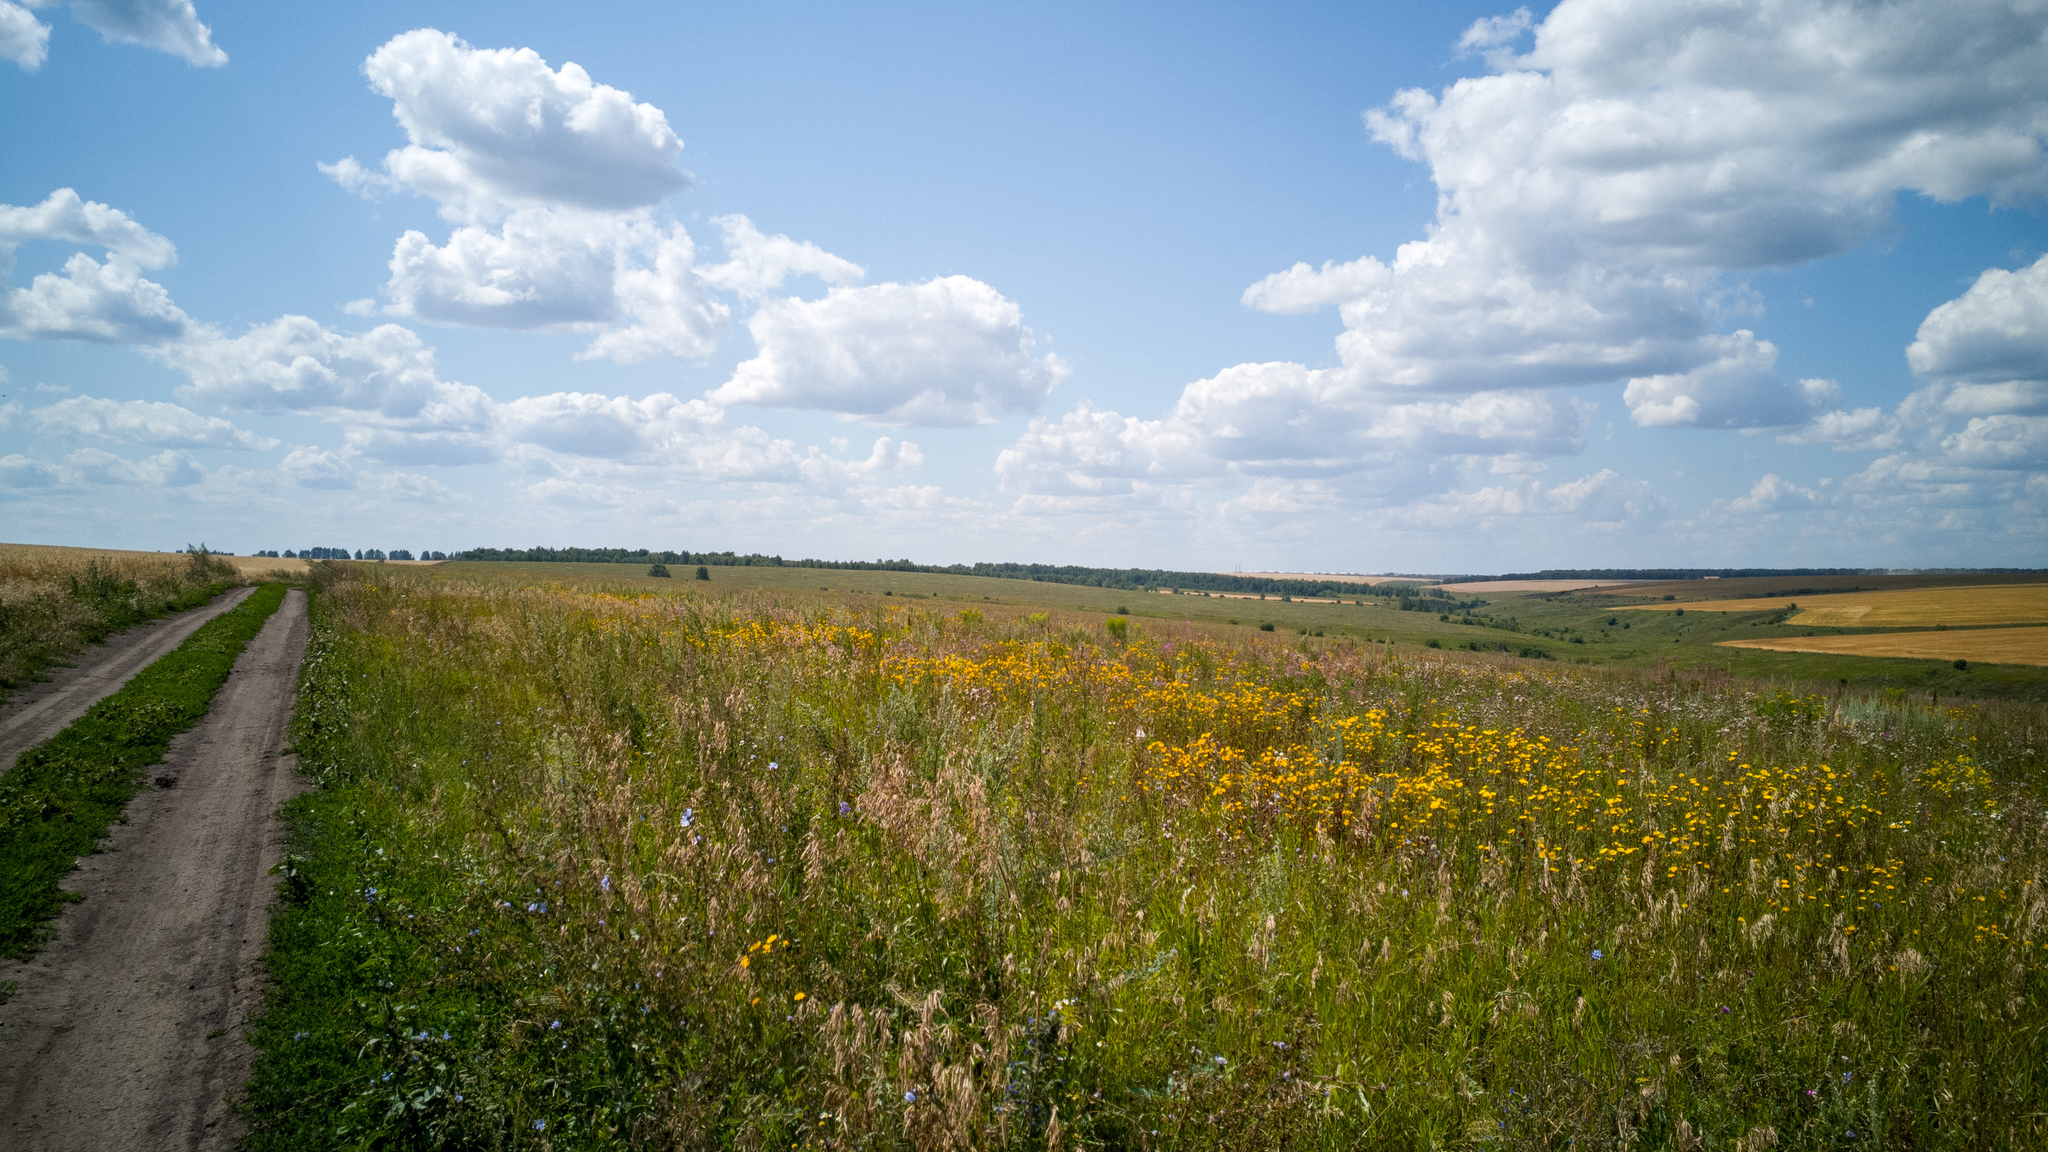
column 55, row 602
column 622, row 870
column 59, row 798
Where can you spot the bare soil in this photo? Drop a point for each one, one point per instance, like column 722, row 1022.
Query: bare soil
column 127, row 1031
column 39, row 711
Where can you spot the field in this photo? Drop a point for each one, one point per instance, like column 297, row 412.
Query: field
column 65, row 558
column 1977, row 645
column 666, row 863
column 1963, row 605
column 54, row 601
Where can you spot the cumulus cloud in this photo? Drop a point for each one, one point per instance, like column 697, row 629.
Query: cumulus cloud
column 1993, row 334
column 556, row 185
column 1284, row 419
column 1593, row 191
column 167, row 469
column 1864, row 429
column 143, row 422
column 108, row 303
column 23, row 39
column 757, row 264
column 948, row 352
column 493, row 128
column 1737, row 390
column 166, row 25
column 170, row 26
column 317, row 468
column 542, row 269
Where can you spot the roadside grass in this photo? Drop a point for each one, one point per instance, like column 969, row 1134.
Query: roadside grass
column 616, row 869
column 55, row 601
column 59, row 798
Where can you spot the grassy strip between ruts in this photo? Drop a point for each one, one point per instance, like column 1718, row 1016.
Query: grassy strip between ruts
column 56, row 803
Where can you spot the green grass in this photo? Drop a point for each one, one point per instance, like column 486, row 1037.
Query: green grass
column 1546, row 623
column 58, row 800
column 81, row 604
column 1038, row 884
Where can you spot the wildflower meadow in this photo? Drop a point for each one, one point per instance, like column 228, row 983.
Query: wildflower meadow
column 597, row 869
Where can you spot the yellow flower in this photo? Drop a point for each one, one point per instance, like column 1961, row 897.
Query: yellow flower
column 798, row 997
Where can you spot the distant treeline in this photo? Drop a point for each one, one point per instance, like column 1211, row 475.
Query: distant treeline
column 1133, row 579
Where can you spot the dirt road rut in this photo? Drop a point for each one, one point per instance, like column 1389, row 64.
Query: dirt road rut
column 40, row 711
column 127, row 1031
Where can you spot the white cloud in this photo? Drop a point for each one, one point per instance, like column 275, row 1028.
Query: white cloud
column 167, row 469
column 1595, row 192
column 496, row 128
column 317, row 468
column 294, row 363
column 2001, row 442
column 1286, row 420
column 143, row 422
column 1771, row 493
column 756, row 264
column 948, row 352
column 102, row 303
column 18, row 471
column 23, row 39
column 1864, row 429
column 412, row 487
column 170, row 26
column 1738, row 390
column 626, row 278
column 1992, row 334
column 107, row 303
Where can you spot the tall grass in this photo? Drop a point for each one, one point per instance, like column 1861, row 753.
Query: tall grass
column 54, row 602
column 594, row 870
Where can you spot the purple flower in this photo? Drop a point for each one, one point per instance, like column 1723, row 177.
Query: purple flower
column 845, row 809
column 605, row 883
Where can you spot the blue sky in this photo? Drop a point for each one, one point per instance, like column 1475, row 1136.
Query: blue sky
column 1367, row 288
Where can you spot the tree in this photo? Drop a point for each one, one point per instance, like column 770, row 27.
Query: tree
column 660, row 570
column 703, row 573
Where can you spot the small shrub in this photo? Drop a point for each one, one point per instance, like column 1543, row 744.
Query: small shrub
column 970, row 616
column 1962, row 665
column 1433, row 643
column 660, row 570
column 1265, row 627
column 1117, row 626
column 1122, row 611
column 703, row 573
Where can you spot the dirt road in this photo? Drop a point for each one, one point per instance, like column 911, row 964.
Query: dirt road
column 40, row 711
column 127, row 1031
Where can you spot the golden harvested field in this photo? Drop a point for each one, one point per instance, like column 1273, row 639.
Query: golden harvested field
column 56, row 556
column 1977, row 645
column 1977, row 604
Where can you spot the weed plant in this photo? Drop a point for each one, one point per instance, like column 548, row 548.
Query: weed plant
column 59, row 798
column 631, row 870
column 53, row 605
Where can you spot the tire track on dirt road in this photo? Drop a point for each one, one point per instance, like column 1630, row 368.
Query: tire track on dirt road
column 127, row 1030
column 40, row 711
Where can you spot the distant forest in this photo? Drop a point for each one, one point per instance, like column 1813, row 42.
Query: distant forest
column 1133, row 579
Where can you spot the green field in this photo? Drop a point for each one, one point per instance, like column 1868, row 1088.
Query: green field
column 604, row 863
column 1571, row 627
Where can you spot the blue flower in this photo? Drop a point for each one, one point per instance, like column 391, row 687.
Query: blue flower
column 1599, row 955
column 555, row 1025
column 605, row 883
column 689, row 814
column 910, row 1097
